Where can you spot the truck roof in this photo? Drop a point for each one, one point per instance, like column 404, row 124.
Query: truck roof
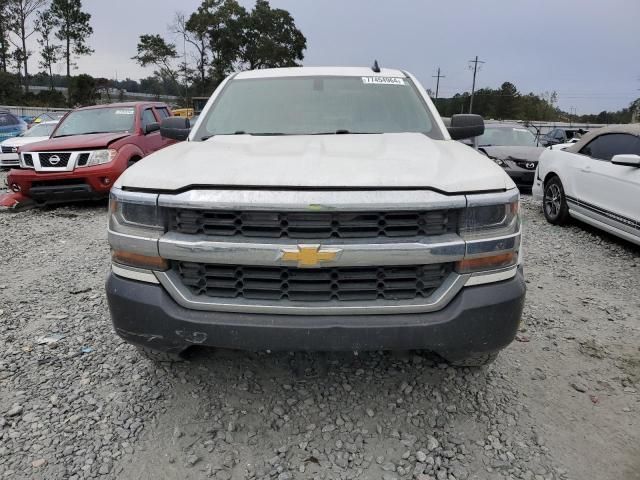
column 320, row 71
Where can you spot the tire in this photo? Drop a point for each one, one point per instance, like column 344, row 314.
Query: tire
column 554, row 202
column 132, row 162
column 473, row 360
column 160, row 357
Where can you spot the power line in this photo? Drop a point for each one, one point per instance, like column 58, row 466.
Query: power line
column 438, row 76
column 473, row 88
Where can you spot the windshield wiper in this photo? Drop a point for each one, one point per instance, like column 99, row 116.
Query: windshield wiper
column 83, row 133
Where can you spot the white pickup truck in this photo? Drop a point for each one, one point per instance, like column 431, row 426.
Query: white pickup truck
column 318, row 209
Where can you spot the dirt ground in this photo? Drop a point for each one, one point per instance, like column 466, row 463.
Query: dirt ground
column 76, row 402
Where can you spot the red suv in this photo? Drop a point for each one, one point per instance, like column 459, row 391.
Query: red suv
column 88, row 151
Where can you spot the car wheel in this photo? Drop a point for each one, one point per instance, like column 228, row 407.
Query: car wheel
column 474, row 360
column 554, row 202
column 160, row 357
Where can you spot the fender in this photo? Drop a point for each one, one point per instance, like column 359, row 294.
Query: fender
column 126, row 153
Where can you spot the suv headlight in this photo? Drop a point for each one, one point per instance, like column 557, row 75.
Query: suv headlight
column 100, row 157
column 135, row 225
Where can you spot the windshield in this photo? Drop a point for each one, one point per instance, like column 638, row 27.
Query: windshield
column 318, row 105
column 98, row 120
column 507, row 137
column 40, row 130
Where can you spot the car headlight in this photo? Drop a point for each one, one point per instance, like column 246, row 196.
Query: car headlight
column 502, row 163
column 135, row 225
column 100, row 157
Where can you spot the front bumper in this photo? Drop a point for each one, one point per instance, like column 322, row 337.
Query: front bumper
column 522, row 178
column 479, row 319
column 81, row 184
column 8, row 160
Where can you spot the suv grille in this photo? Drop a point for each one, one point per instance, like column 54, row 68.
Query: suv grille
column 8, row 149
column 312, row 285
column 317, row 225
column 62, row 159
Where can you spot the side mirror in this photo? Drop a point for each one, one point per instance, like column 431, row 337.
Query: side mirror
column 151, row 127
column 627, row 160
column 175, row 128
column 466, row 126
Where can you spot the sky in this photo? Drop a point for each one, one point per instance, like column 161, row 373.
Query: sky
column 586, row 50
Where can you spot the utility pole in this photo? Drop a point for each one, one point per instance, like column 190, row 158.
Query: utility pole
column 438, row 76
column 475, row 72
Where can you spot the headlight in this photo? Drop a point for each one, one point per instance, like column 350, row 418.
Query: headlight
column 135, row 225
column 491, row 227
column 484, row 221
column 500, row 162
column 100, row 157
column 133, row 210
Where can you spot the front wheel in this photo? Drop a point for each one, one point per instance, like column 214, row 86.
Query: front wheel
column 554, row 202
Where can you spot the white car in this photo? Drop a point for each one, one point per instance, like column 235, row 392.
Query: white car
column 596, row 180
column 9, row 148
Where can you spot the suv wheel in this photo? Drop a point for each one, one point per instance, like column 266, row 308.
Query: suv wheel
column 554, row 202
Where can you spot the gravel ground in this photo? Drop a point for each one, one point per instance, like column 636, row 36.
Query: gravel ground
column 76, row 402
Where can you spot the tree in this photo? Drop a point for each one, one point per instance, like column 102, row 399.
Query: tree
column 154, row 50
column 5, row 27
column 507, row 101
column 74, row 28
column 196, row 36
column 19, row 15
column 272, row 38
column 221, row 25
column 50, row 54
column 10, row 91
column 83, row 91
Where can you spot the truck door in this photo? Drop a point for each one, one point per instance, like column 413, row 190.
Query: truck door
column 152, row 140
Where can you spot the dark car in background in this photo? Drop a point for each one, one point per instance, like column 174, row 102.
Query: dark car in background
column 11, row 125
column 514, row 148
column 561, row 135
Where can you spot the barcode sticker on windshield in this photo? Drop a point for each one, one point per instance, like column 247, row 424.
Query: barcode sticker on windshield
column 128, row 111
column 382, row 81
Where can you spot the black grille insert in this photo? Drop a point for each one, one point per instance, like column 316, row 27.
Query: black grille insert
column 312, row 285
column 8, row 149
column 28, row 159
column 316, row 225
column 54, row 160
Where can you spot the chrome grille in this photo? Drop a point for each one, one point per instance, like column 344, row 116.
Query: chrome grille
column 46, row 159
column 9, row 149
column 313, row 225
column 312, row 285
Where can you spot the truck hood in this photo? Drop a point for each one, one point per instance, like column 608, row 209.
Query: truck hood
column 77, row 142
column 527, row 154
column 323, row 161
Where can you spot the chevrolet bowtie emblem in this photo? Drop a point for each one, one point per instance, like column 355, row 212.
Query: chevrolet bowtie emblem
column 309, row 256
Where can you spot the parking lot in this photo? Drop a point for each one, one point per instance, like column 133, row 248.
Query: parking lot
column 561, row 402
